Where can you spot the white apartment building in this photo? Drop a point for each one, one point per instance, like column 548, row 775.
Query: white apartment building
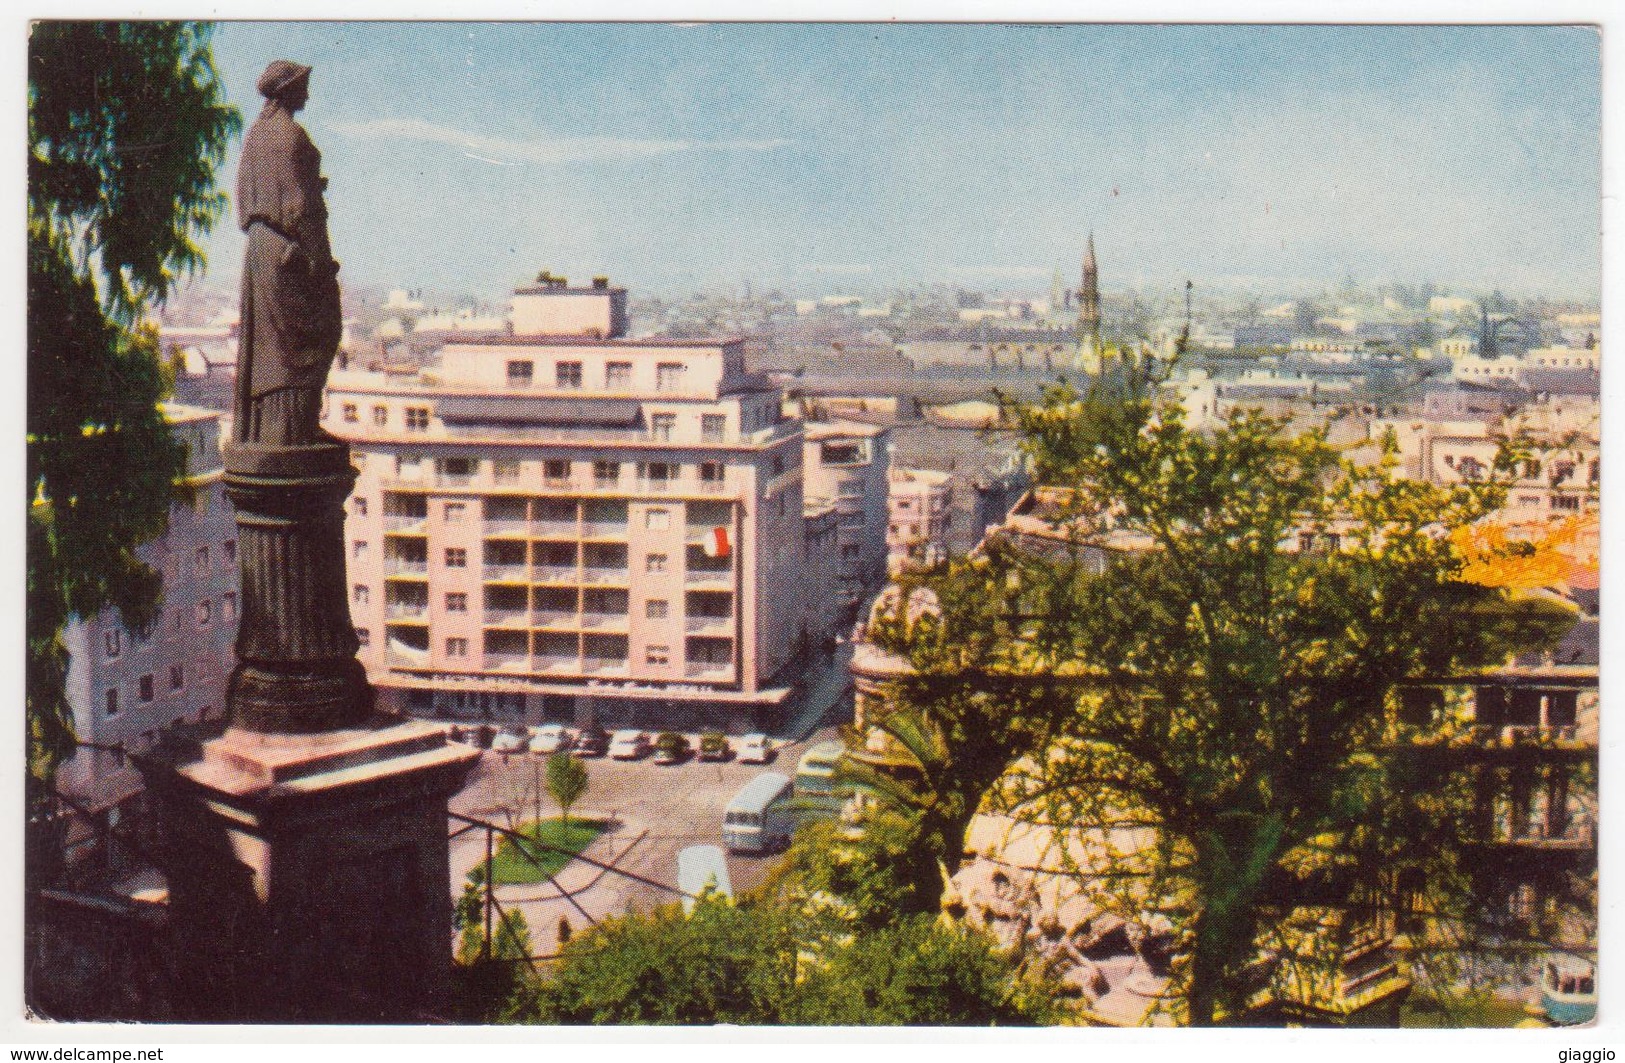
column 847, row 463
column 564, row 523
column 921, row 516
column 127, row 688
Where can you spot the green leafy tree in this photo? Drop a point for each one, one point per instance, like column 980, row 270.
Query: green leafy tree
column 126, row 126
column 879, row 871
column 1228, row 690
column 762, row 962
column 567, row 781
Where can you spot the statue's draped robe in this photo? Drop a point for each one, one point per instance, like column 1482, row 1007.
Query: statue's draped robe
column 291, row 324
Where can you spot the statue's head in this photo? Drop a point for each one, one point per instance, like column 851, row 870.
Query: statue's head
column 286, row 82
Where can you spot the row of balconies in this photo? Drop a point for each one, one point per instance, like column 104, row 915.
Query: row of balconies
column 592, row 667
column 574, row 485
column 560, row 575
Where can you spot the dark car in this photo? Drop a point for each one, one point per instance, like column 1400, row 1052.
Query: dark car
column 592, row 742
column 714, row 746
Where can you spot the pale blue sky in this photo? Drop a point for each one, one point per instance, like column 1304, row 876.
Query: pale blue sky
column 467, row 156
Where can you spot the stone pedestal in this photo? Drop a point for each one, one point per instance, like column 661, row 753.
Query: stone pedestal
column 309, row 877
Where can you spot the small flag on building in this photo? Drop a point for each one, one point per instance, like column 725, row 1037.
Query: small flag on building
column 716, row 544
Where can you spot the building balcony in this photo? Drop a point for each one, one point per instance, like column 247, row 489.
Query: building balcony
column 713, row 672
column 507, row 528
column 407, row 611
column 606, row 666
column 446, row 479
column 713, row 487
column 507, row 573
column 405, row 524
column 709, row 625
column 613, row 622
column 708, row 577
column 556, row 574
column 553, row 529
column 657, row 487
column 556, row 665
column 594, row 529
column 554, row 618
column 507, row 618
column 613, row 576
column 507, row 662
column 396, row 566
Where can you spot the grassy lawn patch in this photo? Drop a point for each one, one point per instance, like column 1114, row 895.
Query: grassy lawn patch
column 511, row 867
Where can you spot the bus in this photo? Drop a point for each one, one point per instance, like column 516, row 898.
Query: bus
column 699, row 868
column 758, row 819
column 816, row 790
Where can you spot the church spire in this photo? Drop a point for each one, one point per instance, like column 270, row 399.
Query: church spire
column 1089, row 310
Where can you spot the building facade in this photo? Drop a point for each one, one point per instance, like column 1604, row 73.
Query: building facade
column 127, row 687
column 565, row 523
column 848, row 463
column 921, row 517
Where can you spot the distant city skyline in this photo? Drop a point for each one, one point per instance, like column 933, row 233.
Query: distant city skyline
column 814, row 158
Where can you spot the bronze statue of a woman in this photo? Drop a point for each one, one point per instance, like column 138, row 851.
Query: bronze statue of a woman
column 291, row 324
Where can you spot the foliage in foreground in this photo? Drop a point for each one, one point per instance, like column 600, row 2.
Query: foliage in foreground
column 767, row 963
column 126, row 125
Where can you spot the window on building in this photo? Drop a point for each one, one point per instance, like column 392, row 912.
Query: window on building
column 177, row 677
column 567, row 374
column 555, row 469
column 358, row 549
column 456, row 557
column 201, row 560
column 361, row 594
column 202, row 612
column 654, row 563
column 850, row 551
column 112, row 702
column 114, row 641
column 661, row 425
column 711, row 472
column 520, row 374
column 659, row 473
column 712, row 427
column 350, row 413
column 777, row 464
column 146, row 688
column 456, row 647
column 456, row 512
column 362, row 637
column 228, row 607
column 380, row 416
column 657, row 520
column 417, row 418
column 657, row 655
column 1566, row 502
column 456, row 602
column 655, row 609
column 618, row 376
column 228, row 549
column 669, row 376
column 606, row 472
column 505, row 470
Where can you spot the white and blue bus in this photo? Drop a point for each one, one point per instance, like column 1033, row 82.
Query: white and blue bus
column 817, row 793
column 759, row 818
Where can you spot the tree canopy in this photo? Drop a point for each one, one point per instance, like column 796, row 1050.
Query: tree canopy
column 1231, row 608
column 127, row 125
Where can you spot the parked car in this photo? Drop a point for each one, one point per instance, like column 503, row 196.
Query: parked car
column 714, row 746
column 509, row 742
column 591, row 742
column 755, row 749
column 629, row 745
column 671, row 748
column 550, row 738
column 483, row 735
column 454, row 733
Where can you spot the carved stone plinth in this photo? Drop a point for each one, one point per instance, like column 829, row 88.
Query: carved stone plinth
column 296, row 669
column 308, row 874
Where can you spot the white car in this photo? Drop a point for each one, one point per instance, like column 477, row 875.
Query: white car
column 550, row 738
column 755, row 749
column 629, row 745
column 508, row 742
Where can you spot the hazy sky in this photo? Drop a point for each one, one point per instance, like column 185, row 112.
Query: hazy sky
column 467, row 156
